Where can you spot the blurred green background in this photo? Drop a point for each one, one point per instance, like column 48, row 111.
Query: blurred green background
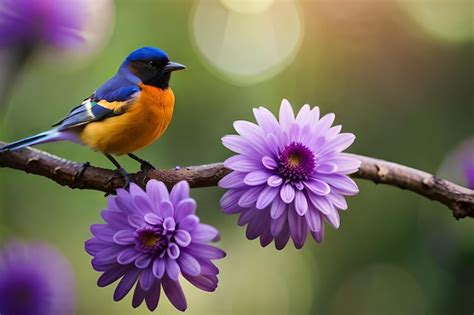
column 398, row 74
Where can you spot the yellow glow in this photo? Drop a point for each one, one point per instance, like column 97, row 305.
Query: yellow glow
column 247, row 48
column 443, row 19
column 248, row 6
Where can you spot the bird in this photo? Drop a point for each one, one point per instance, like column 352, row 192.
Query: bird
column 128, row 112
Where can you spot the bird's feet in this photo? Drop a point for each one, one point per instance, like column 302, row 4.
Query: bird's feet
column 144, row 164
column 147, row 166
column 126, row 177
column 80, row 173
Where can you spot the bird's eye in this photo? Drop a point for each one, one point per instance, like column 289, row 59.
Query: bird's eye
column 152, row 64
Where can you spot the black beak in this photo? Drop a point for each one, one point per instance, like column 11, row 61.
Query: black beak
column 173, row 66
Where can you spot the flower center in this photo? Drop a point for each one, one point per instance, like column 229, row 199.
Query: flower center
column 297, row 162
column 150, row 239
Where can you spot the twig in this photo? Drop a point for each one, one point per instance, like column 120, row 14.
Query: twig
column 76, row 175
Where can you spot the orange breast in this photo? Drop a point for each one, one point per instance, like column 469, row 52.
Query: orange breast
column 143, row 122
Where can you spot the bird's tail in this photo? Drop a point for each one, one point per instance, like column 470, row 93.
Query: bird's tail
column 47, row 136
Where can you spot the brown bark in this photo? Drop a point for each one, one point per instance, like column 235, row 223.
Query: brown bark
column 75, row 175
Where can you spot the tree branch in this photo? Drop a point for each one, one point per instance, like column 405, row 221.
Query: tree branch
column 75, row 175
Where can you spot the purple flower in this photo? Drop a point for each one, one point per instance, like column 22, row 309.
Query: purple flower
column 150, row 238
column 35, row 279
column 469, row 171
column 468, row 164
column 288, row 175
column 55, row 22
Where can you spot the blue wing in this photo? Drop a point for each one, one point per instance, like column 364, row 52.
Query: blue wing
column 109, row 100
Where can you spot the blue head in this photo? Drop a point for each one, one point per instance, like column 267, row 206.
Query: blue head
column 151, row 65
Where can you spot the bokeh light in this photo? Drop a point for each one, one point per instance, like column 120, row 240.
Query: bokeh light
column 449, row 20
column 248, row 6
column 247, row 44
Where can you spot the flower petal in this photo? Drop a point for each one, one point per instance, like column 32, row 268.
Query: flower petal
column 157, row 192
column 189, row 264
column 241, row 163
column 266, row 237
column 317, row 186
column 127, row 256
column 229, row 201
column 256, row 178
column 169, row 224
column 343, row 183
column 184, row 208
column 147, row 279
column 174, row 292
column 173, row 251
column 204, row 233
column 345, row 164
column 143, row 204
column 103, row 232
column 301, row 204
column 277, row 209
column 337, row 200
column 253, row 134
column 135, row 220
column 138, row 296
column 124, row 201
column 189, row 222
column 205, row 251
column 282, row 239
column 108, row 255
column 124, row 237
column 269, row 163
column 249, row 197
column 205, row 283
column 318, row 236
column 166, row 209
column 115, row 219
column 153, row 219
column 126, row 284
column 182, row 238
column 323, row 124
column 277, row 225
column 179, row 192
column 287, row 193
column 159, row 268
column 153, row 296
column 143, row 261
column 333, row 217
column 274, row 181
column 313, row 219
column 257, row 226
column 326, row 168
column 287, row 117
column 266, row 120
column 298, row 228
column 266, row 197
column 172, row 268
column 338, row 144
column 321, row 203
column 112, row 274
column 238, row 144
column 233, row 180
column 94, row 245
